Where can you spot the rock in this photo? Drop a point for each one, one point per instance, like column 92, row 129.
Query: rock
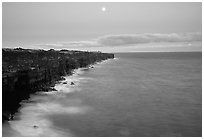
column 11, row 117
column 86, row 69
column 6, row 115
column 64, row 82
column 53, row 89
column 35, row 126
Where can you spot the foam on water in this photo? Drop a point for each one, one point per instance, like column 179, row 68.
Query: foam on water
column 33, row 116
column 32, row 119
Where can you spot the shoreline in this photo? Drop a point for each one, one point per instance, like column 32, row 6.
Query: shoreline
column 39, row 70
column 66, row 80
column 30, row 102
column 51, row 88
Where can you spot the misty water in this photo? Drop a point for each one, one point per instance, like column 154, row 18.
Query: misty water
column 135, row 94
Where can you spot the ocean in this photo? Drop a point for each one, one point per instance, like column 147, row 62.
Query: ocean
column 134, row 95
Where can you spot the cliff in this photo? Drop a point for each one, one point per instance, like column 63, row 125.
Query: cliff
column 25, row 71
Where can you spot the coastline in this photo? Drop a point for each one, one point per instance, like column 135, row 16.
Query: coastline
column 17, row 86
column 33, row 124
column 95, row 102
column 72, row 78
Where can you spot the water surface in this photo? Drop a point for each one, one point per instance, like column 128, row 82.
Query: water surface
column 136, row 94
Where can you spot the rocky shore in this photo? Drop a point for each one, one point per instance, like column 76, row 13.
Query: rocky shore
column 26, row 71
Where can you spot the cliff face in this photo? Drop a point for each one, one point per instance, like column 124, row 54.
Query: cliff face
column 26, row 71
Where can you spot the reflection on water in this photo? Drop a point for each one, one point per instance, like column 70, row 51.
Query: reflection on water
column 132, row 96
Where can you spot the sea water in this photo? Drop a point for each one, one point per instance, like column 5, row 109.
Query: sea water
column 135, row 94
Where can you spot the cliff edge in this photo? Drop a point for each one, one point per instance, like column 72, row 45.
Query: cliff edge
column 25, row 71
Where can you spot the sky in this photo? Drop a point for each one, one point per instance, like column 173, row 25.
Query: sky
column 108, row 27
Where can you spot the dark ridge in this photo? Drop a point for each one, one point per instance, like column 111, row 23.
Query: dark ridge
column 25, row 71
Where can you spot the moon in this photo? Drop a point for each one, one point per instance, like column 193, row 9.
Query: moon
column 103, row 9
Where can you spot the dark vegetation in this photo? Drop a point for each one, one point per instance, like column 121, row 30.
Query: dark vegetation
column 25, row 71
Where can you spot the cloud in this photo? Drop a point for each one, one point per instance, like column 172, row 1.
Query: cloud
column 72, row 44
column 127, row 39
column 91, row 43
column 45, row 46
